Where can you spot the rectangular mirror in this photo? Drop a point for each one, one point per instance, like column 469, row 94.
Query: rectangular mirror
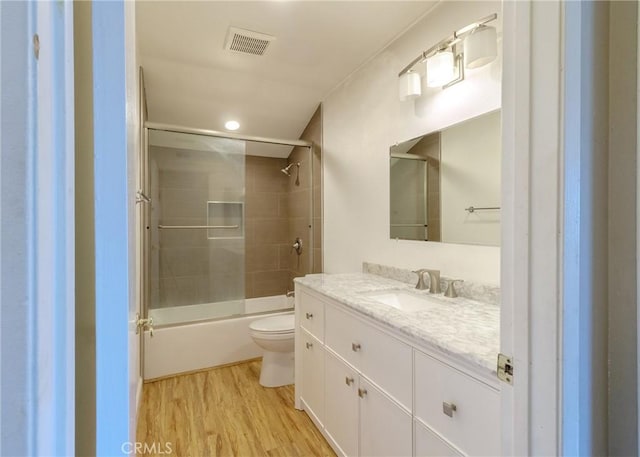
column 445, row 185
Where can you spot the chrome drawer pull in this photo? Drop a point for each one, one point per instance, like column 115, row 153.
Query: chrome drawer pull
column 449, row 408
column 348, row 380
column 309, row 315
column 355, row 347
column 362, row 393
column 309, row 345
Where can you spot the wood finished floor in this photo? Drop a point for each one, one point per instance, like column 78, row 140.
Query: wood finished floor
column 226, row 412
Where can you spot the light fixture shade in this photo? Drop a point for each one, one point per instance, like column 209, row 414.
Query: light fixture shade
column 440, row 68
column 409, row 86
column 480, row 47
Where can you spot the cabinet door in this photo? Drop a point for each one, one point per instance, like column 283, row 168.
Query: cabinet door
column 428, row 444
column 313, row 376
column 341, row 404
column 385, row 428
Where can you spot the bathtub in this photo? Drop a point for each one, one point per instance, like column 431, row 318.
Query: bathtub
column 209, row 338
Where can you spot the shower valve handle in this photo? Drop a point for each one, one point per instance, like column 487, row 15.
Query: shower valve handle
column 297, row 246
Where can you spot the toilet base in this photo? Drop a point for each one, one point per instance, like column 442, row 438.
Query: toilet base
column 277, row 369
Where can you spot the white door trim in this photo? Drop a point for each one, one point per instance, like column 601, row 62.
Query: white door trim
column 114, row 236
column 531, row 225
column 37, row 324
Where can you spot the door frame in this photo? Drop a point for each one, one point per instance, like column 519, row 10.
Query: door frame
column 37, row 248
column 116, row 140
column 532, row 205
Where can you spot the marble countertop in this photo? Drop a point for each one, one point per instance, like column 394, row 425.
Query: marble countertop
column 465, row 329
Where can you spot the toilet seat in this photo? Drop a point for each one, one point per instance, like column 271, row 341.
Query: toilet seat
column 274, row 325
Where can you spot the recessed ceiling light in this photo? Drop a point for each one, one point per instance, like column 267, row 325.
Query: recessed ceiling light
column 232, row 125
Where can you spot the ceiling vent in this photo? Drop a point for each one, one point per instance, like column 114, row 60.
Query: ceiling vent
column 247, row 42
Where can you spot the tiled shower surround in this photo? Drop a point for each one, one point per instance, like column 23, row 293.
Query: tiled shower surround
column 278, row 212
column 189, row 268
column 194, row 266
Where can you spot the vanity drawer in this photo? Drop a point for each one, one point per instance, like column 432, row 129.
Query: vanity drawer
column 474, row 425
column 379, row 356
column 312, row 315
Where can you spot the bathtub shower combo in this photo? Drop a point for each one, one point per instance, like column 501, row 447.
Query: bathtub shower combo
column 226, row 226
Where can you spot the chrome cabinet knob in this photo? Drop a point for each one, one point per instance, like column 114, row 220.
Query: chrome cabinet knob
column 309, row 315
column 355, row 347
column 449, row 408
column 348, row 380
column 309, row 345
column 362, row 393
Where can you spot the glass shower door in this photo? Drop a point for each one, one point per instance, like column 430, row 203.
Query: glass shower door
column 197, row 227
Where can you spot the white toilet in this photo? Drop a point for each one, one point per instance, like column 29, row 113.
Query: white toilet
column 276, row 336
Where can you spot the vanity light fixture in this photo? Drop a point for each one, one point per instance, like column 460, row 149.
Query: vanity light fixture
column 445, row 61
column 409, row 86
column 480, row 47
column 441, row 68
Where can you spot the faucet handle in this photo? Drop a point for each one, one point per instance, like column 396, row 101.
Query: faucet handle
column 421, row 284
column 451, row 288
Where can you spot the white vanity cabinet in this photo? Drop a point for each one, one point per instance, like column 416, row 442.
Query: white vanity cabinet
column 373, row 392
column 341, row 404
column 385, row 427
column 360, row 419
column 380, row 356
column 309, row 356
column 429, row 444
column 458, row 407
column 312, row 392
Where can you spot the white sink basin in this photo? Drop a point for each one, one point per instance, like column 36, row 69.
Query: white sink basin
column 403, row 300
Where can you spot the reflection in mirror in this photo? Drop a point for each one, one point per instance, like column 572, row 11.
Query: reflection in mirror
column 445, row 186
column 415, row 178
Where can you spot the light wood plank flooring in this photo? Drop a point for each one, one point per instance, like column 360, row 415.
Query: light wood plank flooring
column 226, row 412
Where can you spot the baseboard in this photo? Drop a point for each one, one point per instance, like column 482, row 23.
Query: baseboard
column 201, row 370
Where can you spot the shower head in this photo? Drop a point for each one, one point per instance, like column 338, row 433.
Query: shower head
column 286, row 169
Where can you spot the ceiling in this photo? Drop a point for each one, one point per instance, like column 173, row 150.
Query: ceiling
column 191, row 80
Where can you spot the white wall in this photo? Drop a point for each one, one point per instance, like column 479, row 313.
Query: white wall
column 470, row 176
column 15, row 290
column 363, row 117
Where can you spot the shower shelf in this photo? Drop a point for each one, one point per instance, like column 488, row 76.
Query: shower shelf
column 227, row 217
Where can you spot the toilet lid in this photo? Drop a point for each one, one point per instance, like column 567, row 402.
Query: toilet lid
column 274, row 324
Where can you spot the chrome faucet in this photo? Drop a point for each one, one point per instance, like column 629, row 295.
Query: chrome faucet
column 434, row 280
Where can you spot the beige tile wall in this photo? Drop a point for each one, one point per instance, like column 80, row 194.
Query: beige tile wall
column 308, row 192
column 187, row 267
column 267, row 219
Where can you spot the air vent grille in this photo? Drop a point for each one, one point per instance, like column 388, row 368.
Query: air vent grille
column 247, row 42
